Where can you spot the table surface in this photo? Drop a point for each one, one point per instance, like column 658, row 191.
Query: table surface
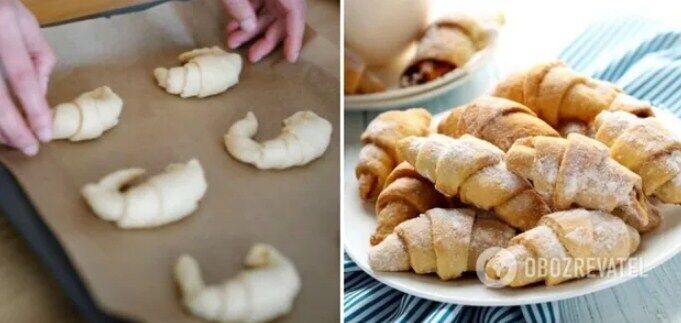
column 653, row 297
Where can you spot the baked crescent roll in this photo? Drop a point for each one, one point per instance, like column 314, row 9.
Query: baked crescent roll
column 474, row 170
column 379, row 156
column 647, row 148
column 497, row 120
column 578, row 171
column 565, row 245
column 557, row 94
column 447, row 44
column 443, row 241
column 406, row 195
column 358, row 78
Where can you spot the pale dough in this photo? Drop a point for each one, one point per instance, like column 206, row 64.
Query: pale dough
column 87, row 116
column 262, row 292
column 304, row 137
column 206, row 72
column 161, row 199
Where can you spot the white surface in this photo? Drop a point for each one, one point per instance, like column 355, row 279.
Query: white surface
column 378, row 29
column 359, row 222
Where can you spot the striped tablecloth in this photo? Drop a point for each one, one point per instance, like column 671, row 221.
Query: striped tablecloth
column 642, row 57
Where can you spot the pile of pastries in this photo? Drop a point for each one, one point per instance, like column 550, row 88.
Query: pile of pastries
column 554, row 167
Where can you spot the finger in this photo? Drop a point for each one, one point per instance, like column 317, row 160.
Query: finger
column 274, row 35
column 41, row 53
column 295, row 28
column 23, row 79
column 243, row 12
column 12, row 126
column 256, row 4
column 241, row 36
column 233, row 25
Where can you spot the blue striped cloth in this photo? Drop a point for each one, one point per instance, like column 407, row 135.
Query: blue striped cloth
column 640, row 56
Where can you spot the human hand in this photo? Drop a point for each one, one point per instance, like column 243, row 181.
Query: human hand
column 27, row 60
column 278, row 19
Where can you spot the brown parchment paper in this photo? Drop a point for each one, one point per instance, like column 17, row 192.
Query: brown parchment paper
column 296, row 210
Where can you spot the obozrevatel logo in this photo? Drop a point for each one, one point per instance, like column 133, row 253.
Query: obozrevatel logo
column 497, row 277
column 497, row 267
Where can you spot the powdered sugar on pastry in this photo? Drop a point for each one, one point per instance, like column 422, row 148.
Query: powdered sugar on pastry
column 442, row 241
column 474, row 170
column 585, row 176
column 647, row 148
column 584, row 240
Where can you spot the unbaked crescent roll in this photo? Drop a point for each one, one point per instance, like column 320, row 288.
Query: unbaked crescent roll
column 262, row 292
column 564, row 245
column 304, row 137
column 443, row 241
column 87, row 116
column 206, row 72
column 164, row 198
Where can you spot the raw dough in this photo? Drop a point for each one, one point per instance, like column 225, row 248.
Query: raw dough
column 304, row 137
column 161, row 199
column 87, row 116
column 264, row 291
column 206, row 71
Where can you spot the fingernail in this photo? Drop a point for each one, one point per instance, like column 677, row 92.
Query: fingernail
column 31, row 150
column 233, row 44
column 256, row 58
column 293, row 57
column 45, row 134
column 248, row 24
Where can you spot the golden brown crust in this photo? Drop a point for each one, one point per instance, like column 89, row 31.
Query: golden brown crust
column 357, row 78
column 556, row 93
column 473, row 170
column 447, row 44
column 497, row 120
column 443, row 241
column 406, row 195
column 647, row 148
column 568, row 245
column 378, row 157
column 372, row 169
column 578, row 171
column 572, row 126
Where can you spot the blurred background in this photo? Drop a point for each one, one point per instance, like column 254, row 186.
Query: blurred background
column 532, row 31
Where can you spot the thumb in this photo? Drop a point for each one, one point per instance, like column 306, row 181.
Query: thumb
column 243, row 12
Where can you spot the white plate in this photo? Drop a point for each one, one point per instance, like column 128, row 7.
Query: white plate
column 359, row 223
column 404, row 96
